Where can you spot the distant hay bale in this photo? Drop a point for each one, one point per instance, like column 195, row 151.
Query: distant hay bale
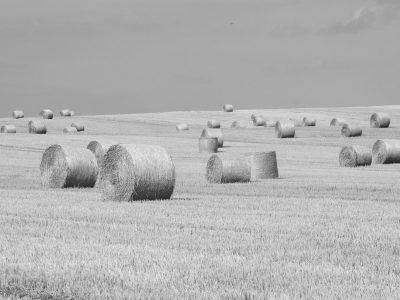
column 380, row 120
column 228, row 108
column 309, row 122
column 337, row 122
column 253, row 117
column 214, row 133
column 285, row 130
column 235, row 124
column 228, row 169
column 348, row 131
column 213, row 124
column 296, row 122
column 355, row 156
column 79, row 127
column 137, row 172
column 65, row 113
column 64, row 167
column 18, row 114
column 46, row 114
column 8, row 129
column 72, row 113
column 70, row 129
column 259, row 121
column 36, row 126
column 99, row 149
column 263, row 165
column 386, row 152
column 182, row 127
column 209, row 145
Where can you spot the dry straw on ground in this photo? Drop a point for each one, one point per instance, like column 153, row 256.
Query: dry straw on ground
column 354, row 156
column 263, row 165
column 36, row 126
column 270, row 124
column 182, row 127
column 337, row 122
column 285, row 130
column 18, row 114
column 214, row 133
column 99, row 149
column 209, row 145
column 65, row 113
column 386, row 152
column 8, row 129
column 137, row 172
column 228, row 169
column 64, row 166
column 70, row 129
column 380, row 120
column 46, row 114
column 309, row 122
column 349, row 131
column 213, row 124
column 79, row 127
column 228, row 108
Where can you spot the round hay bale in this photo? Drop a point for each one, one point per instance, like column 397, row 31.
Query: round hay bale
column 348, row 131
column 228, row 169
column 380, row 120
column 337, row 122
column 65, row 113
column 285, row 130
column 70, row 129
column 228, row 108
column 36, row 126
column 235, row 124
column 214, row 133
column 64, row 167
column 47, row 114
column 182, row 127
column 8, row 129
column 309, row 122
column 79, row 127
column 386, row 152
column 354, row 156
column 18, row 114
column 213, row 124
column 259, row 121
column 99, row 149
column 137, row 172
column 209, row 145
column 263, row 165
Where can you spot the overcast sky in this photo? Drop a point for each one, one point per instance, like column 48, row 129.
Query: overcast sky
column 128, row 56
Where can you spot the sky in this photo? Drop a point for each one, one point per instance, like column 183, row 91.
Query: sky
column 133, row 56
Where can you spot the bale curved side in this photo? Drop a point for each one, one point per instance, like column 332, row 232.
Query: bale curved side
column 259, row 121
column 209, row 145
column 18, row 114
column 337, row 122
column 263, row 165
column 70, row 129
column 213, row 124
column 380, row 120
column 137, row 172
column 182, row 127
column 8, row 129
column 37, row 127
column 285, row 130
column 214, row 133
column 386, row 152
column 348, row 131
column 228, row 169
column 354, row 156
column 309, row 122
column 99, row 149
column 228, row 108
column 47, row 114
column 65, row 113
column 79, row 127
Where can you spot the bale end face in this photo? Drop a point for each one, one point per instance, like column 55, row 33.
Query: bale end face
column 352, row 156
column 386, row 152
column 380, row 120
column 285, row 130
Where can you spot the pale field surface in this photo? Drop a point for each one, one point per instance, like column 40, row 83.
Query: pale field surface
column 319, row 231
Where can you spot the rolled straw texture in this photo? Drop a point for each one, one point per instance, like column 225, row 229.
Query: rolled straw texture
column 228, row 108
column 348, row 131
column 65, row 113
column 355, row 156
column 228, row 169
column 380, row 120
column 182, row 127
column 259, row 121
column 137, row 172
column 209, row 145
column 263, row 165
column 214, row 133
column 64, row 166
column 70, row 129
column 8, row 129
column 18, row 114
column 99, row 149
column 213, row 124
column 285, row 130
column 46, row 114
column 337, row 122
column 309, row 122
column 36, row 126
column 79, row 127
column 386, row 152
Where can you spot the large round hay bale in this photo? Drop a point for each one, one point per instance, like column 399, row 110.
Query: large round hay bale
column 228, row 169
column 380, row 120
column 70, row 129
column 228, row 108
column 259, row 121
column 64, row 166
column 263, row 165
column 386, row 152
column 8, row 129
column 182, row 127
column 18, row 114
column 36, row 126
column 337, row 122
column 99, row 149
column 214, row 133
column 65, row 113
column 309, row 122
column 348, row 131
column 285, row 130
column 209, row 145
column 354, row 156
column 137, row 172
column 47, row 114
column 213, row 124
column 79, row 127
